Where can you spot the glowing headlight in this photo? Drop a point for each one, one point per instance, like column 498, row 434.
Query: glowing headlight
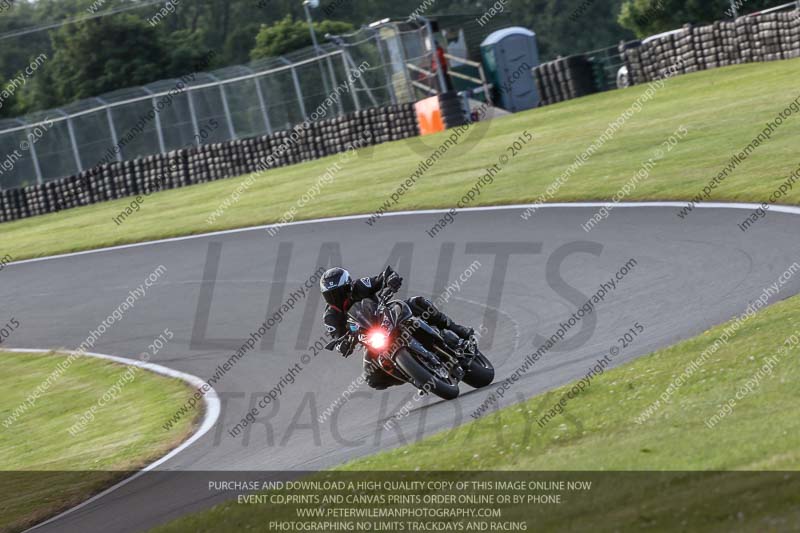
column 377, row 339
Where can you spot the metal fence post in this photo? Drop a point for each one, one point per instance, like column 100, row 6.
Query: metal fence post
column 386, row 71
column 317, row 50
column 112, row 128
column 34, row 156
column 75, row 153
column 299, row 94
column 486, row 90
column 361, row 79
column 35, row 159
column 297, row 88
column 401, row 47
column 439, row 72
column 351, row 67
column 228, row 117
column 193, row 115
column 225, row 108
column 261, row 103
column 159, row 132
column 335, row 85
column 352, row 87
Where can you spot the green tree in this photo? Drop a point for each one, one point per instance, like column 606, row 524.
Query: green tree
column 101, row 55
column 240, row 42
column 567, row 27
column 187, row 52
column 288, row 35
column 648, row 17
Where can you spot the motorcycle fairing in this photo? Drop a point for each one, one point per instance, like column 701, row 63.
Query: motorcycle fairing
column 363, row 312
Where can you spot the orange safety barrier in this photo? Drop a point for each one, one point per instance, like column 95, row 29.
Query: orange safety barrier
column 429, row 116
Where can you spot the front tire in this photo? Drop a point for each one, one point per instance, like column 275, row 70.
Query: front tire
column 480, row 372
column 423, row 379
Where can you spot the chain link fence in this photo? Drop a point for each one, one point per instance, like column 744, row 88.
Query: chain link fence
column 390, row 62
column 199, row 108
column 394, row 48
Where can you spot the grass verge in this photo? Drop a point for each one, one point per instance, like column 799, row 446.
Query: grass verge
column 44, row 469
column 600, row 430
column 723, row 110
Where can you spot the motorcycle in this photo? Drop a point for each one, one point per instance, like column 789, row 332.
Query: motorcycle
column 411, row 350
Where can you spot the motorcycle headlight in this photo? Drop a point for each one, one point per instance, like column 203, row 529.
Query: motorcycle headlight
column 377, row 339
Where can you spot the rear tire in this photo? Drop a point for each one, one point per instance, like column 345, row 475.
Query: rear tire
column 480, row 372
column 423, row 379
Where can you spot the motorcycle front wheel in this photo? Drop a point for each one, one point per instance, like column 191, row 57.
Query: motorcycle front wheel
column 424, row 379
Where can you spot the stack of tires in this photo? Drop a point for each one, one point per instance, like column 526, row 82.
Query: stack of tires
column 705, row 45
column 101, row 184
column 565, row 79
column 34, row 199
column 403, row 119
column 579, row 76
column 767, row 37
column 452, row 108
column 12, row 205
column 631, row 54
column 686, row 56
column 745, row 39
column 727, row 46
column 662, row 53
column 790, row 34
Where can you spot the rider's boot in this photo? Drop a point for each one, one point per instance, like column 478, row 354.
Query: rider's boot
column 439, row 319
column 452, row 340
column 463, row 332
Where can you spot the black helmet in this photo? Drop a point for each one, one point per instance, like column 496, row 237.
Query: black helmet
column 335, row 286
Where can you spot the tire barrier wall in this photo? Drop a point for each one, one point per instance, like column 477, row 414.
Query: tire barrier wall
column 766, row 37
column 451, row 106
column 564, row 79
column 189, row 166
column 748, row 39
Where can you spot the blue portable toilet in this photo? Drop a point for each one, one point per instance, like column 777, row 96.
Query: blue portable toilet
column 509, row 56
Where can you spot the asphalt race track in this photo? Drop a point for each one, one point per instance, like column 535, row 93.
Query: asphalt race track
column 532, row 275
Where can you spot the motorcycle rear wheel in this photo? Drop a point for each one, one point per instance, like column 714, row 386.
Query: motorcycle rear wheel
column 424, row 379
column 480, row 372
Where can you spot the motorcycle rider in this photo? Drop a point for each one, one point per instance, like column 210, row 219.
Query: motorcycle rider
column 341, row 291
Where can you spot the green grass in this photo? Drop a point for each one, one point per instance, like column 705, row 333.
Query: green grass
column 44, row 468
column 723, row 110
column 598, row 432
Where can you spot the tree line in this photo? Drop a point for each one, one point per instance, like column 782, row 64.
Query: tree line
column 114, row 44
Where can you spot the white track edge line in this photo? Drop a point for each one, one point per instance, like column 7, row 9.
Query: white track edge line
column 210, row 418
column 705, row 205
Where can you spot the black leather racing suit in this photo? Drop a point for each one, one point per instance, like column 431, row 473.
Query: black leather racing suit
column 335, row 320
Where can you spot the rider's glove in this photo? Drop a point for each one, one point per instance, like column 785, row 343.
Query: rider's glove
column 394, row 281
column 346, row 347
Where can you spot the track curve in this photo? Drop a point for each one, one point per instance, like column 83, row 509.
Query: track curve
column 689, row 275
column 208, row 420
